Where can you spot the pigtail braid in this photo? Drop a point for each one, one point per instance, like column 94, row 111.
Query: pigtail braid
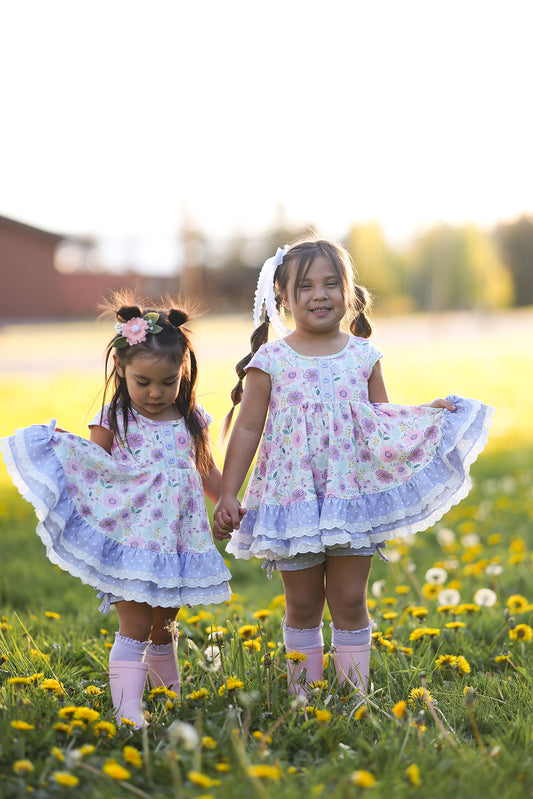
column 360, row 324
column 257, row 339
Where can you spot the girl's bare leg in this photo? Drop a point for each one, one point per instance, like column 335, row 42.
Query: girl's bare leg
column 346, row 586
column 305, row 596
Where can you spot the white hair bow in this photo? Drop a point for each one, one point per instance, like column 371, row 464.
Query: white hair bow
column 264, row 293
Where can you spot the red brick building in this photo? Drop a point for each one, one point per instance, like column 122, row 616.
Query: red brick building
column 31, row 287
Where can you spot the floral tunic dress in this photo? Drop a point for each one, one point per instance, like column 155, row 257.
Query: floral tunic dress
column 132, row 523
column 333, row 469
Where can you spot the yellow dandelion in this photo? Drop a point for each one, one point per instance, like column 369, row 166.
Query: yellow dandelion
column 517, row 603
column 389, row 615
column 22, row 725
column 463, row 665
column 255, row 644
column 466, row 607
column 446, row 661
column 501, row 659
column 195, row 696
column 421, row 632
column 363, row 779
column 202, row 780
column 322, row 716
column 163, row 692
column 297, row 657
column 67, row 712
column 416, row 695
column 17, row 682
column 419, row 612
column 522, row 632
column 445, row 608
column 231, row 684
column 208, row 742
column 406, row 650
column 62, row 727
column 389, row 600
column 430, row 590
column 93, row 690
column 264, row 772
column 22, row 767
column 223, row 767
column 361, row 712
column 115, row 770
column 455, row 625
column 50, row 614
column 86, row 749
column 399, row 709
column 86, row 714
column 402, row 589
column 413, row 775
column 65, row 779
column 58, row 754
column 104, row 729
column 261, row 614
column 54, row 686
column 248, row 630
column 132, row 756
column 213, row 629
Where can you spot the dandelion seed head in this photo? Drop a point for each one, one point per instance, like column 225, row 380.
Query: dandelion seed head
column 449, row 596
column 445, row 537
column 436, row 575
column 184, row 735
column 485, row 597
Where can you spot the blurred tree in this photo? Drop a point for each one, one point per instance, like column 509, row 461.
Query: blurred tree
column 457, row 268
column 379, row 268
column 515, row 242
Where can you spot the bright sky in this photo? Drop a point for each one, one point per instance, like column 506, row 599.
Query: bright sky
column 122, row 116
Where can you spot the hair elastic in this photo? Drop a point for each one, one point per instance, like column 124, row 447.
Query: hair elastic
column 265, row 294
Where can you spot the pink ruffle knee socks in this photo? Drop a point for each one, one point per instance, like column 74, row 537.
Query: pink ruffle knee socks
column 302, row 673
column 351, row 655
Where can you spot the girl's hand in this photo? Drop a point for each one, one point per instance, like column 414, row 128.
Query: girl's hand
column 227, row 517
column 441, row 403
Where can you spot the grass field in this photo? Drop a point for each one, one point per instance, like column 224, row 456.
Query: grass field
column 450, row 711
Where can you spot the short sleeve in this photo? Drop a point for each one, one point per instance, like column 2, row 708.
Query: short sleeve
column 261, row 360
column 205, row 417
column 374, row 354
column 101, row 419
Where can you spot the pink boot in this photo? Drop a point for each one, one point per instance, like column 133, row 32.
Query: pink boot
column 313, row 665
column 163, row 669
column 352, row 664
column 127, row 679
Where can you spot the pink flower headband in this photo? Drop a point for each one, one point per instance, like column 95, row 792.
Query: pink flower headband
column 135, row 330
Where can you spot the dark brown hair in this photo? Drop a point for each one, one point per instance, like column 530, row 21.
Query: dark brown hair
column 297, row 262
column 172, row 343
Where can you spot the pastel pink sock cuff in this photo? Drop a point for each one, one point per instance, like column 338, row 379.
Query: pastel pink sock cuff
column 128, row 649
column 298, row 640
column 160, row 650
column 351, row 637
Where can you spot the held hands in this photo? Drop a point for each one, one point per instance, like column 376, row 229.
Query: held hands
column 441, row 403
column 227, row 517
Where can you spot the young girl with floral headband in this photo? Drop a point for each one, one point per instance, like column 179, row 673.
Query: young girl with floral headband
column 340, row 470
column 125, row 511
